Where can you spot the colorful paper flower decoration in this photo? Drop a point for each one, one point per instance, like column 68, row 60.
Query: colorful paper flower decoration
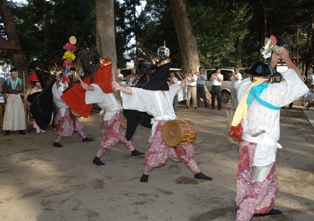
column 68, row 57
column 270, row 47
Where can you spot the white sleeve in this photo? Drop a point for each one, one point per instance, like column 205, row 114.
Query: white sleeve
column 139, row 100
column 95, row 96
column 287, row 91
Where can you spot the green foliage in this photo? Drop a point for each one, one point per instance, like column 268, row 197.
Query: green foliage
column 158, row 27
column 219, row 26
column 228, row 32
column 45, row 26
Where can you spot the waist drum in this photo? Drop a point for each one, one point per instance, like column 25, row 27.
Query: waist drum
column 176, row 133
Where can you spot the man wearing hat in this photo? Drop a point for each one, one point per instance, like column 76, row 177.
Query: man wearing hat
column 258, row 114
column 155, row 98
column 14, row 115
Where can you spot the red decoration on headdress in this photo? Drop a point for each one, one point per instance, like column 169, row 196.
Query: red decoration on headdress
column 104, row 62
column 32, row 77
column 65, row 79
column 70, row 47
column 273, row 40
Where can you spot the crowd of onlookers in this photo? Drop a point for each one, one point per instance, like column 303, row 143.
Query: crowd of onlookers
column 196, row 92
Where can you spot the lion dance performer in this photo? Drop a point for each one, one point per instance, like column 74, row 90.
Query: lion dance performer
column 111, row 131
column 66, row 121
column 33, row 79
column 258, row 113
column 155, row 97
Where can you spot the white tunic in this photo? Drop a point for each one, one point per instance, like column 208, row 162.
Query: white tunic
column 155, row 103
column 57, row 92
column 107, row 102
column 260, row 118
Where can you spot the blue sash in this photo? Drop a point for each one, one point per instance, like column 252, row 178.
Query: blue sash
column 13, row 86
column 255, row 92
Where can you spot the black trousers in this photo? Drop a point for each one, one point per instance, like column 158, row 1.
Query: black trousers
column 216, row 91
column 201, row 94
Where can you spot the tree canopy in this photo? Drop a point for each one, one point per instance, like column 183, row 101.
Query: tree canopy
column 228, row 33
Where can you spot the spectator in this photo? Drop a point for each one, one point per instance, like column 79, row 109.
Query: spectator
column 65, row 121
column 14, row 114
column 173, row 80
column 312, row 79
column 201, row 79
column 303, row 76
column 216, row 78
column 131, row 80
column 308, row 99
column 235, row 79
column 119, row 76
column 191, row 89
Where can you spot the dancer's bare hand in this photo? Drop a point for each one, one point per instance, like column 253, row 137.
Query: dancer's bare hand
column 115, row 85
column 284, row 53
column 84, row 86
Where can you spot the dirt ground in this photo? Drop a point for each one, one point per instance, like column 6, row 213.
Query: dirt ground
column 44, row 183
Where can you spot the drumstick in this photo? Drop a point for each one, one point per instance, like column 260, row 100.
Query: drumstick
column 78, row 77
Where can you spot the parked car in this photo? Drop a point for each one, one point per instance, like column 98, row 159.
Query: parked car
column 225, row 85
column 183, row 91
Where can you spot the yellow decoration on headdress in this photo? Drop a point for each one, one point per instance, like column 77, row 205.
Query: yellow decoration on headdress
column 69, row 56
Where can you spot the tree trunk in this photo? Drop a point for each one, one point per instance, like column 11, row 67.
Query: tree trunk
column 105, row 28
column 105, row 38
column 10, row 29
column 186, row 36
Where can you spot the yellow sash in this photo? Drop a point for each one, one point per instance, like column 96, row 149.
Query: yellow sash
column 242, row 106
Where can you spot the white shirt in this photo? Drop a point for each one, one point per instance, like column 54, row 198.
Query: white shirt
column 107, row 102
column 215, row 79
column 309, row 96
column 56, row 95
column 131, row 81
column 155, row 103
column 175, row 81
column 234, row 82
column 260, row 118
column 190, row 82
column 312, row 79
column 120, row 78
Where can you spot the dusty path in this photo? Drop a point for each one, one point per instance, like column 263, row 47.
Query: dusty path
column 44, row 183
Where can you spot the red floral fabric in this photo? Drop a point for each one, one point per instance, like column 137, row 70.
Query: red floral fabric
column 253, row 197
column 112, row 134
column 159, row 152
column 67, row 125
